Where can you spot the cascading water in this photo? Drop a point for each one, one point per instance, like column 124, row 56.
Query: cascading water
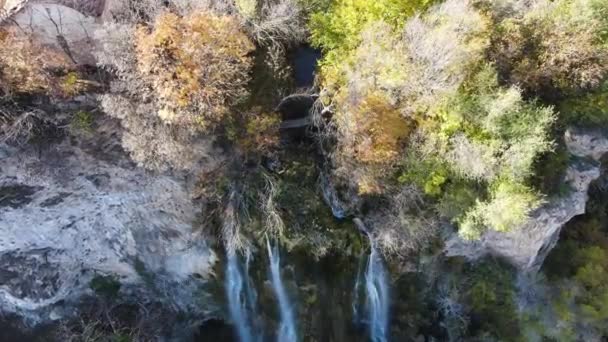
column 376, row 286
column 376, row 293
column 239, row 288
column 357, row 291
column 241, row 298
column 287, row 330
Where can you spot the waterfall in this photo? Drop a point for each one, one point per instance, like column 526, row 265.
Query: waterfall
column 287, row 330
column 357, row 291
column 241, row 298
column 331, row 198
column 376, row 286
column 239, row 288
column 376, row 292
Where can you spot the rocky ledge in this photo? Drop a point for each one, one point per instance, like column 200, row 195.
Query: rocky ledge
column 527, row 246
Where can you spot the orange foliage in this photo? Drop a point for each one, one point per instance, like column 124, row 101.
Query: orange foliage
column 198, row 65
column 380, row 130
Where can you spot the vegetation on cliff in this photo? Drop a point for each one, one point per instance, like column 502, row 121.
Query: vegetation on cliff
column 463, row 100
column 430, row 114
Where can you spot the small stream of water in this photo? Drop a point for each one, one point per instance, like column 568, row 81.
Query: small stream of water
column 287, row 330
column 374, row 282
column 376, row 285
column 241, row 298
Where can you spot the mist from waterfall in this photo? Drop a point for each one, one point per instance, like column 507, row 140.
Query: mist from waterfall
column 377, row 301
column 287, row 330
column 241, row 298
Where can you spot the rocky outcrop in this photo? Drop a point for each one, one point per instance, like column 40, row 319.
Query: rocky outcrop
column 79, row 209
column 61, row 27
column 527, row 246
column 90, row 8
column 295, row 110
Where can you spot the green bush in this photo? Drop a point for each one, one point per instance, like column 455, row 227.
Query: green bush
column 337, row 29
column 589, row 109
column 493, row 140
column 509, row 206
column 490, row 295
column 83, row 120
column 105, row 286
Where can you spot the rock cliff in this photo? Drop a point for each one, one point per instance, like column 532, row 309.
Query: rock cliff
column 527, row 246
column 77, row 209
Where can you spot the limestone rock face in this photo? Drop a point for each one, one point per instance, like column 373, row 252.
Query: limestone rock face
column 527, row 246
column 66, row 26
column 72, row 211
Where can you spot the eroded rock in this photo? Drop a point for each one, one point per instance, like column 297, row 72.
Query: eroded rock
column 71, row 216
column 55, row 25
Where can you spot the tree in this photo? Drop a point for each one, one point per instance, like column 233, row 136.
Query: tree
column 553, row 48
column 338, row 29
column 434, row 108
column 494, row 138
column 391, row 80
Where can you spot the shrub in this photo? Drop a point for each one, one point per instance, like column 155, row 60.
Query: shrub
column 27, row 66
column 106, row 286
column 577, row 269
column 494, row 138
column 276, row 24
column 459, row 196
column 338, row 28
column 500, row 134
column 261, row 134
column 70, row 84
column 508, row 207
column 83, row 120
column 491, row 299
column 177, row 79
column 374, row 130
column 402, row 226
column 154, row 144
column 553, row 48
column 197, row 66
column 589, row 109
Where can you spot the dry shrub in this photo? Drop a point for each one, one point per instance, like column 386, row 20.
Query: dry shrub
column 154, row 144
column 233, row 217
column 402, row 227
column 261, row 132
column 197, row 66
column 27, row 66
column 551, row 48
column 280, row 23
column 19, row 127
column 381, row 129
column 177, row 80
